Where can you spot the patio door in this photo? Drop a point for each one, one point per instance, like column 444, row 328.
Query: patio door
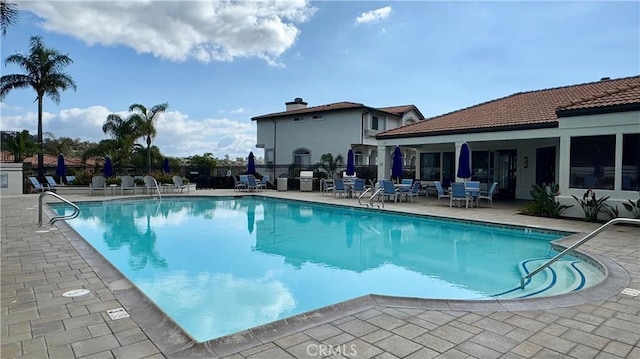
column 505, row 172
column 546, row 165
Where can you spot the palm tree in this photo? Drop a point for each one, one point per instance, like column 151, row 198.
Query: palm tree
column 8, row 15
column 19, row 145
column 331, row 164
column 145, row 123
column 43, row 66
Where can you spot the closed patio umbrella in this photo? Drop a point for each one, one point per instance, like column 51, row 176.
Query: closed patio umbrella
column 108, row 167
column 61, row 169
column 464, row 162
column 396, row 168
column 251, row 164
column 165, row 166
column 351, row 165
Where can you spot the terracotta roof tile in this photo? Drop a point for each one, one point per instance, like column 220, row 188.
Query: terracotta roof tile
column 526, row 109
column 401, row 110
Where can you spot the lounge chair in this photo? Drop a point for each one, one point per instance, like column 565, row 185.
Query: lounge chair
column 244, row 179
column 339, row 188
column 440, row 191
column 71, row 179
column 178, row 184
column 325, row 187
column 98, row 183
column 459, row 193
column 389, row 191
column 51, row 182
column 39, row 187
column 150, row 185
column 128, row 184
column 489, row 194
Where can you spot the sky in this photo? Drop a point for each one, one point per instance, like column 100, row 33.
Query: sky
column 220, row 63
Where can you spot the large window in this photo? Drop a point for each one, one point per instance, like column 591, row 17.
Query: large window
column 359, row 157
column 430, row 166
column 480, row 166
column 378, row 123
column 302, row 157
column 592, row 162
column 631, row 162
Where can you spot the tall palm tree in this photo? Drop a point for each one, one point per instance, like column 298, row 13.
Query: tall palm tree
column 44, row 74
column 330, row 163
column 145, row 121
column 8, row 15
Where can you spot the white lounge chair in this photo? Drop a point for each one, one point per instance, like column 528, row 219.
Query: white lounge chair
column 178, row 184
column 150, row 185
column 39, row 187
column 128, row 184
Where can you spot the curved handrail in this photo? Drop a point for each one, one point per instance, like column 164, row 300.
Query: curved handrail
column 362, row 195
column 373, row 196
column 576, row 245
column 76, row 209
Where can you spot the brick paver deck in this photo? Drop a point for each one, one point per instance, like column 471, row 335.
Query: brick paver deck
column 41, row 263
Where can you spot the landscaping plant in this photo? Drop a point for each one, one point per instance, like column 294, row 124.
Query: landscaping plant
column 593, row 206
column 544, row 201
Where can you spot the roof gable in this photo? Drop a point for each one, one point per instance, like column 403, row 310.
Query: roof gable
column 534, row 109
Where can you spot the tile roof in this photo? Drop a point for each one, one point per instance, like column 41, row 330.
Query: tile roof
column 534, row 109
column 401, row 110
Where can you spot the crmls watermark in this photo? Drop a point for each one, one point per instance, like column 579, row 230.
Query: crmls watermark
column 323, row 350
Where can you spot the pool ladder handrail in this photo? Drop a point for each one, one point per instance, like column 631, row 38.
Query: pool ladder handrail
column 362, row 195
column 576, row 245
column 155, row 182
column 370, row 204
column 76, row 209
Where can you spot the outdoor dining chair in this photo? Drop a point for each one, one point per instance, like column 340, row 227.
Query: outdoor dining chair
column 488, row 195
column 440, row 191
column 459, row 194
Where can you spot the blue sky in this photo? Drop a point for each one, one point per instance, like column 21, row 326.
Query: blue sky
column 220, row 63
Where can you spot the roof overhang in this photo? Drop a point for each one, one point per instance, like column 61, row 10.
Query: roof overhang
column 471, row 130
column 598, row 110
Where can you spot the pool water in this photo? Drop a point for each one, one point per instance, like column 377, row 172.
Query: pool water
column 217, row 266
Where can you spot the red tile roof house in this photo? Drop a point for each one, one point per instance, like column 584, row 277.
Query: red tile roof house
column 580, row 136
column 301, row 134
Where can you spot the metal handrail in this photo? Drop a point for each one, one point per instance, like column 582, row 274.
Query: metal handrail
column 578, row 244
column 362, row 195
column 76, row 209
column 373, row 196
column 157, row 188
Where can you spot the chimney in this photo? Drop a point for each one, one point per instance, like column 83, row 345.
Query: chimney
column 297, row 104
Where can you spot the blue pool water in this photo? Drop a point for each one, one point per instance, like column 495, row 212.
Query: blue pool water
column 217, row 266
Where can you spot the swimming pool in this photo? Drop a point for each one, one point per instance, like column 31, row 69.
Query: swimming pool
column 217, row 266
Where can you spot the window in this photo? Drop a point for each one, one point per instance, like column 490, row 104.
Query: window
column 480, row 166
column 359, row 157
column 430, row 166
column 631, row 162
column 302, row 157
column 298, row 119
column 268, row 156
column 317, row 117
column 374, row 123
column 592, row 162
column 378, row 123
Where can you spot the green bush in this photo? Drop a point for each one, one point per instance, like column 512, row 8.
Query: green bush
column 544, row 202
column 592, row 206
column 633, row 207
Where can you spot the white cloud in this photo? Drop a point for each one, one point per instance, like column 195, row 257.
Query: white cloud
column 374, row 16
column 181, row 30
column 178, row 135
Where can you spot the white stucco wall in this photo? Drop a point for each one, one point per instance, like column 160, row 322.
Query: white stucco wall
column 594, row 125
column 11, row 180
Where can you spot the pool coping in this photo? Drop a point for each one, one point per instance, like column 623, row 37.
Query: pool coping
column 172, row 340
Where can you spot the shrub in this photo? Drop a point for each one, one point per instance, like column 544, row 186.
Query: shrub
column 592, row 206
column 633, row 207
column 544, row 202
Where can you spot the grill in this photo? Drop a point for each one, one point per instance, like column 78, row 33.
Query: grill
column 306, row 181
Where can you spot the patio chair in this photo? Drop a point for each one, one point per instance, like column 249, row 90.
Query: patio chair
column 458, row 194
column 244, row 179
column 488, row 195
column 71, row 179
column 473, row 189
column 407, row 181
column 358, row 186
column 128, row 184
column 178, row 184
column 51, row 182
column 252, row 184
column 440, row 191
column 150, row 185
column 237, row 185
column 263, row 183
column 98, row 183
column 389, row 191
column 411, row 192
column 339, row 188
column 325, row 187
